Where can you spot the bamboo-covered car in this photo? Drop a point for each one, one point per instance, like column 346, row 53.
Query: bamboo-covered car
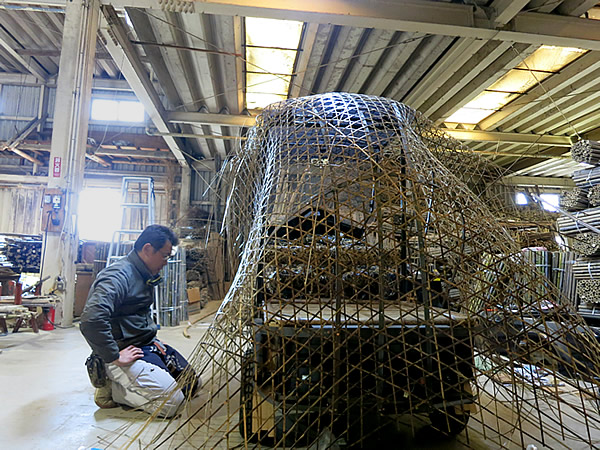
column 352, row 320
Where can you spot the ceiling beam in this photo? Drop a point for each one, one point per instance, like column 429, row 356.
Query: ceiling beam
column 193, row 92
column 122, row 51
column 23, row 179
column 430, row 17
column 152, row 154
column 575, row 7
column 109, row 84
column 13, row 143
column 524, row 162
column 22, row 154
column 26, row 131
column 514, row 138
column 52, row 52
column 29, row 64
column 538, row 181
column 195, row 118
column 144, row 31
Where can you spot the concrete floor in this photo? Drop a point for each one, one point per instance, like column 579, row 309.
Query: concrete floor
column 47, row 400
column 46, row 397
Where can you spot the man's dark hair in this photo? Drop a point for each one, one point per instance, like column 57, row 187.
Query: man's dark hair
column 157, row 236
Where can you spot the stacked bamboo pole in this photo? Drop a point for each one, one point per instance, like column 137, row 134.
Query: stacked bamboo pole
column 586, row 268
column 575, row 199
column 589, row 291
column 586, row 151
column 587, row 244
column 562, row 275
column 586, row 178
column 584, row 240
column 172, row 293
column 571, row 226
column 24, row 254
column 556, row 267
column 593, row 195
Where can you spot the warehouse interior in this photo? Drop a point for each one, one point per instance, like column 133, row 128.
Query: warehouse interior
column 115, row 115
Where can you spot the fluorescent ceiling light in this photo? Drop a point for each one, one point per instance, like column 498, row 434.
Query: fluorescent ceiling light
column 271, row 49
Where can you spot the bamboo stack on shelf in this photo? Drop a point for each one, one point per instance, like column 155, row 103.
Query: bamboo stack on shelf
column 586, row 151
column 588, row 180
column 575, row 199
column 24, row 254
column 593, row 195
column 589, row 291
column 572, row 226
column 587, row 177
column 586, row 244
column 585, row 241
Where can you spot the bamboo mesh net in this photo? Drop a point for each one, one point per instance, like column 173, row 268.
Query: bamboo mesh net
column 377, row 294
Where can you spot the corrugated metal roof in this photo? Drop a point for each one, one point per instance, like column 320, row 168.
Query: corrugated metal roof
column 198, row 60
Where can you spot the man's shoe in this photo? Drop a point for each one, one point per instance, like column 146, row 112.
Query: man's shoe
column 103, row 396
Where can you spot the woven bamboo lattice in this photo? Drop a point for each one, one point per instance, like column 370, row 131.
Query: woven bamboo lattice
column 376, row 295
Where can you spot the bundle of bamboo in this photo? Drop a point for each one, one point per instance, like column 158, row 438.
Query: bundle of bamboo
column 586, row 177
column 593, row 195
column 586, row 151
column 575, row 199
column 586, row 244
column 24, row 254
column 589, row 290
column 586, row 268
column 575, row 223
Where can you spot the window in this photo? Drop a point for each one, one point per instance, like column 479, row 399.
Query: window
column 538, row 66
column 549, row 202
column 99, row 213
column 117, row 110
column 271, row 48
column 520, row 199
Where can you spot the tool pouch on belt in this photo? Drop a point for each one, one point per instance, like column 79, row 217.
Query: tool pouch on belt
column 96, row 371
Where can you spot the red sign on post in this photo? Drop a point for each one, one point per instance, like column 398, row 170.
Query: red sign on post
column 56, row 167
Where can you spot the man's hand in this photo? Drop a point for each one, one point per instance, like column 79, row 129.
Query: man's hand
column 128, row 355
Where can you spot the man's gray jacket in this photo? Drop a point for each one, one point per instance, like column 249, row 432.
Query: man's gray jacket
column 117, row 311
